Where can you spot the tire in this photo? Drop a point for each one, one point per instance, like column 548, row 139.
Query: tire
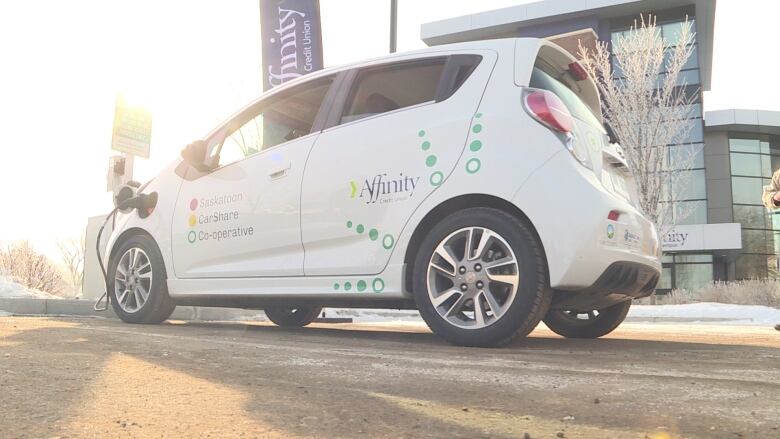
column 518, row 309
column 293, row 317
column 567, row 323
column 151, row 277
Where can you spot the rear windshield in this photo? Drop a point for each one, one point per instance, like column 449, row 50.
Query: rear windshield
column 578, row 109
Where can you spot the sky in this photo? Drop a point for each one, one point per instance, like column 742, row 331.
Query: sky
column 194, row 63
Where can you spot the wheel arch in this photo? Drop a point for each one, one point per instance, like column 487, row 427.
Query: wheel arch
column 453, row 205
column 125, row 235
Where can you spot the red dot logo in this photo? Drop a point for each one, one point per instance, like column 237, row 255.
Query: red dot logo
column 194, row 204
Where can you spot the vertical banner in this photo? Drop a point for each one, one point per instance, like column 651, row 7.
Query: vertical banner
column 292, row 39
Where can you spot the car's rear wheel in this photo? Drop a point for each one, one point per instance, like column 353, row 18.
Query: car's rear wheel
column 138, row 282
column 293, row 317
column 587, row 324
column 480, row 278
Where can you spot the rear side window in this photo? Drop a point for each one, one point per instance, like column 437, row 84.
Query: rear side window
column 390, row 87
column 542, row 80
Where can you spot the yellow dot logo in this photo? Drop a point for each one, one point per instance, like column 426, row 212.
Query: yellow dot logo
column 193, row 220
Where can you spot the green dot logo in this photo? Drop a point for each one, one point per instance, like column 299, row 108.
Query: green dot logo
column 477, row 128
column 347, row 286
column 478, row 115
column 192, row 236
column 336, row 286
column 436, row 178
column 349, row 224
column 475, row 146
column 426, row 145
column 360, row 228
column 388, row 241
column 378, row 285
column 373, row 234
column 430, row 161
column 473, row 165
column 610, row 231
column 361, row 285
column 421, row 133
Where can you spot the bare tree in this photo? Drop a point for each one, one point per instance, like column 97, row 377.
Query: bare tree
column 647, row 105
column 30, row 268
column 72, row 256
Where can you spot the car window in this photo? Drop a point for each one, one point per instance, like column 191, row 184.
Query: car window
column 542, row 80
column 394, row 86
column 286, row 118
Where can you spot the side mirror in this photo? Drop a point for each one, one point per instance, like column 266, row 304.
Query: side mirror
column 194, row 155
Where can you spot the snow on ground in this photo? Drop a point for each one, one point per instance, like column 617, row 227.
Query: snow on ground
column 707, row 312
column 13, row 290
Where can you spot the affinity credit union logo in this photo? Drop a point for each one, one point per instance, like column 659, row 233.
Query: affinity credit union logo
column 380, row 188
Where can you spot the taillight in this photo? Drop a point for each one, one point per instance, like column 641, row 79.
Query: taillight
column 548, row 109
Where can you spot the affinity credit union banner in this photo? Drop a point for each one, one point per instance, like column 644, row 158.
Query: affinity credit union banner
column 292, row 39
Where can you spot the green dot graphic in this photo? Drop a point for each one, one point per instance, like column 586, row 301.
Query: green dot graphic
column 336, row 286
column 426, row 145
column 478, row 115
column 361, row 285
column 421, row 133
column 388, row 241
column 360, row 228
column 378, row 285
column 191, row 237
column 475, row 146
column 436, row 178
column 373, row 234
column 349, row 224
column 347, row 286
column 473, row 165
column 477, row 128
column 430, row 160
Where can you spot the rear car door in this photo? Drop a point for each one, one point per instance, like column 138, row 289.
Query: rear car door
column 396, row 132
column 243, row 218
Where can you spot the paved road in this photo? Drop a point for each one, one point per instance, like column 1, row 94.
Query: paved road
column 102, row 378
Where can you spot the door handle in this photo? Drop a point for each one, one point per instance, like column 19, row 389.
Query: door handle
column 280, row 172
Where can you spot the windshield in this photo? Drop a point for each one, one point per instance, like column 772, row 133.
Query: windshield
column 541, row 79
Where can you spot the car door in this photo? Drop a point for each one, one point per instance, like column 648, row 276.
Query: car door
column 243, row 218
column 397, row 131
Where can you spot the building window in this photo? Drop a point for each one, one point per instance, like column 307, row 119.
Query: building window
column 686, row 271
column 753, row 159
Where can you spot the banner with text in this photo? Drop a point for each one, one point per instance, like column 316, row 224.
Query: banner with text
column 292, row 39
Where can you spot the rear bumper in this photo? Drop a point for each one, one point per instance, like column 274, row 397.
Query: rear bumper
column 621, row 281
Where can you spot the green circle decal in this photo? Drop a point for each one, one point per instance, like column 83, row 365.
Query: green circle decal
column 473, row 165
column 361, row 285
column 378, row 285
column 421, row 133
column 373, row 234
column 478, row 115
column 477, row 128
column 360, row 228
column 347, row 286
column 475, row 146
column 436, row 178
column 349, row 224
column 191, row 236
column 426, row 145
column 336, row 286
column 388, row 241
column 430, row 160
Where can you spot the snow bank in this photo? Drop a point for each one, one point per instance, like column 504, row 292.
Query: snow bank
column 13, row 290
column 708, row 312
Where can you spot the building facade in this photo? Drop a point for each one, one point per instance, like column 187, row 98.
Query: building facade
column 726, row 234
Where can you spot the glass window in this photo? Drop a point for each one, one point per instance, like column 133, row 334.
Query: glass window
column 394, row 86
column 681, row 155
column 665, row 283
column 672, row 32
column 750, row 216
column 689, row 185
column 542, row 80
column 751, row 267
column 756, row 241
column 747, row 190
column 690, row 212
column 746, row 164
column 689, row 258
column 281, row 120
column 744, row 145
column 692, row 276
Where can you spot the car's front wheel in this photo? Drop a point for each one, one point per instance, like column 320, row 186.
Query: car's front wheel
column 480, row 278
column 587, row 324
column 293, row 317
column 138, row 282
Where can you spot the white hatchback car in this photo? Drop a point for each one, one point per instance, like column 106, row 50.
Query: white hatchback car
column 474, row 182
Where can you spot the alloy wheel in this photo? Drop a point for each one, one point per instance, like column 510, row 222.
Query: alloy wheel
column 472, row 277
column 133, row 280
